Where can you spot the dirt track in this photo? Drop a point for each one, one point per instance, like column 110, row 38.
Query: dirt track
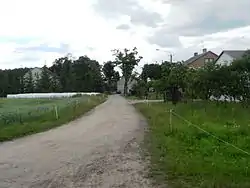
column 98, row 150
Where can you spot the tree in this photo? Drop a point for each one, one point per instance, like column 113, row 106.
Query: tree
column 87, row 73
column 140, row 89
column 44, row 83
column 110, row 75
column 127, row 60
column 62, row 67
column 29, row 84
column 156, row 84
column 55, row 85
column 152, row 71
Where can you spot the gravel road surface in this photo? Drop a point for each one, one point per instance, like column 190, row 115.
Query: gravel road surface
column 100, row 149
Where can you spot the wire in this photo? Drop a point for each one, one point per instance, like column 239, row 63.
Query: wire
column 225, row 142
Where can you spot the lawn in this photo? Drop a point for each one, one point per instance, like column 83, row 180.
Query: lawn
column 188, row 157
column 151, row 96
column 20, row 117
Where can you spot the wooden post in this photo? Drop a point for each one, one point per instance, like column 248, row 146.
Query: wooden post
column 56, row 112
column 170, row 120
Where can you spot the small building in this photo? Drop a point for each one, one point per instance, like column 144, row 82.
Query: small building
column 120, row 85
column 228, row 56
column 199, row 60
column 36, row 74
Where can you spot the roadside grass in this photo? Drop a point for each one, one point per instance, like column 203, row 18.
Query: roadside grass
column 188, row 157
column 21, row 117
column 151, row 96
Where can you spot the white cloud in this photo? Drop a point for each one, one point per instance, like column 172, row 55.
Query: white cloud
column 29, row 24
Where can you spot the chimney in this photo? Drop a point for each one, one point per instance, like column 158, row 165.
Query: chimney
column 196, row 53
column 204, row 50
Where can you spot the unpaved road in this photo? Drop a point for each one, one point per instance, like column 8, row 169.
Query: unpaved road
column 98, row 150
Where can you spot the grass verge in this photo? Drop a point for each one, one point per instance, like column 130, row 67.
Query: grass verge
column 48, row 119
column 151, row 96
column 188, row 157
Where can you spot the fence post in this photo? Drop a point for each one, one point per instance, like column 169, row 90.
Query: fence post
column 170, row 120
column 56, row 112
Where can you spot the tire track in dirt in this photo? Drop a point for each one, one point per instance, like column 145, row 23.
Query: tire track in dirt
column 100, row 149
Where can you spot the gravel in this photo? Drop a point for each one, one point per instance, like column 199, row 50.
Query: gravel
column 101, row 149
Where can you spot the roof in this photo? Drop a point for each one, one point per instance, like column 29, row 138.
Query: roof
column 236, row 54
column 194, row 58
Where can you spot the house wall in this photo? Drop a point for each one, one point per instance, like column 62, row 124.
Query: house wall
column 201, row 61
column 224, row 59
column 120, row 85
column 34, row 72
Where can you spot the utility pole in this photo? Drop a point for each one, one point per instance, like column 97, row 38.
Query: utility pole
column 171, row 58
column 170, row 54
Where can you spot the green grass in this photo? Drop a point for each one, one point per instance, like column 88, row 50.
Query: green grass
column 188, row 157
column 151, row 96
column 20, row 117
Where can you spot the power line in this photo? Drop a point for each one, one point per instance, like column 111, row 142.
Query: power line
column 170, row 54
column 216, row 137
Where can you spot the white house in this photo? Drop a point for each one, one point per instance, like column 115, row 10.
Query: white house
column 228, row 56
column 36, row 74
column 120, row 85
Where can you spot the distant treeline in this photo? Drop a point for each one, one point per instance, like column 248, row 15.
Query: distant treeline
column 65, row 75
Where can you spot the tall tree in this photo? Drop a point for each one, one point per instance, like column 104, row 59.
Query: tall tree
column 152, row 71
column 110, row 75
column 87, row 73
column 43, row 83
column 127, row 60
column 29, row 84
column 63, row 68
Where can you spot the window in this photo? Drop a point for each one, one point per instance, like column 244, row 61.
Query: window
column 206, row 60
column 209, row 60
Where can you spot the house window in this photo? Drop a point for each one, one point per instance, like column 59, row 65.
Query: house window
column 209, row 60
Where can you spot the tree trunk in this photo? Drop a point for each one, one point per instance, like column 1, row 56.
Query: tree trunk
column 125, row 91
column 164, row 96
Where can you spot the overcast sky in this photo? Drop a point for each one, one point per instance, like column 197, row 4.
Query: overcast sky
column 35, row 32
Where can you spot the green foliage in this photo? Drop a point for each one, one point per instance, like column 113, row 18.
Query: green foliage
column 29, row 83
column 11, row 81
column 110, row 76
column 44, row 83
column 127, row 60
column 82, row 74
column 36, row 115
column 65, row 75
column 188, row 157
column 151, row 71
column 140, row 89
column 230, row 82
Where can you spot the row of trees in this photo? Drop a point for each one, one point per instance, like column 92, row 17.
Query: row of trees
column 232, row 82
column 85, row 74
column 68, row 75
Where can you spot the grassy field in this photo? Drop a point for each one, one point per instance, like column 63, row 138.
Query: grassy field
column 20, row 117
column 188, row 157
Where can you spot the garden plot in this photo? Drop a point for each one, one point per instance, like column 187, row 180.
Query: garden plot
column 20, row 117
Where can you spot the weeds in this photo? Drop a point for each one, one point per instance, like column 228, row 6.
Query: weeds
column 188, row 157
column 32, row 119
